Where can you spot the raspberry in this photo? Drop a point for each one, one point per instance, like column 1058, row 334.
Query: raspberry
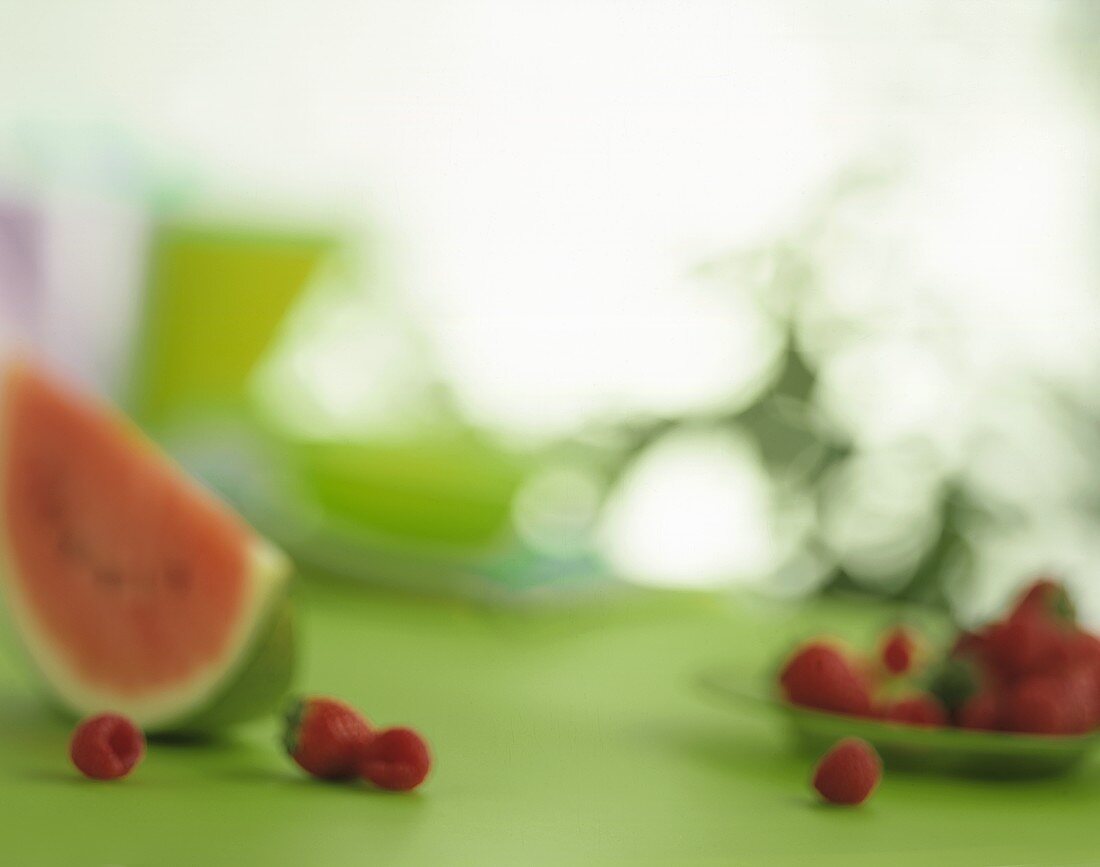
column 917, row 710
column 897, row 650
column 819, row 676
column 981, row 711
column 106, row 747
column 848, row 773
column 1047, row 705
column 326, row 737
column 397, row 759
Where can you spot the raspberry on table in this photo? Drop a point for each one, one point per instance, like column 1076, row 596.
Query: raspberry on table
column 106, row 747
column 326, row 737
column 848, row 773
column 396, row 759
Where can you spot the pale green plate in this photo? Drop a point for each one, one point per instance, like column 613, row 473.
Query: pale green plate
column 944, row 750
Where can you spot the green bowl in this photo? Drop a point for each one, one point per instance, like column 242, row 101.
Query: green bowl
column 938, row 750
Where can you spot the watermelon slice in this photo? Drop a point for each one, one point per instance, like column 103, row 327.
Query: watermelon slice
column 131, row 588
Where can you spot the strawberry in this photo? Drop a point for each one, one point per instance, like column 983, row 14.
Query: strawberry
column 1029, row 642
column 1081, row 697
column 1085, row 655
column 981, row 711
column 848, row 773
column 1048, row 597
column 969, row 644
column 1036, row 636
column 1047, row 705
column 326, row 737
column 1084, row 650
column 918, row 710
column 819, row 676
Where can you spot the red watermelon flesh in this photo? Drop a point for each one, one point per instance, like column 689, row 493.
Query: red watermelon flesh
column 133, row 588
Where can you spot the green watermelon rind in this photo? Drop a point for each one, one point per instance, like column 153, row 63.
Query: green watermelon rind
column 259, row 686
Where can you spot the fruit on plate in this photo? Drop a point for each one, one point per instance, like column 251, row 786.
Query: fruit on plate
column 131, row 588
column 898, row 649
column 819, row 675
column 1035, row 671
column 917, row 710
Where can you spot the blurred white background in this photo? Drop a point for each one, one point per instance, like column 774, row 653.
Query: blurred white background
column 542, row 180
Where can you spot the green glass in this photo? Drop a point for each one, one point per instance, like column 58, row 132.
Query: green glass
column 215, row 297
column 430, row 509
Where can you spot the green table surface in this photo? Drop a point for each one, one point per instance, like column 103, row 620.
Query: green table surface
column 560, row 738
